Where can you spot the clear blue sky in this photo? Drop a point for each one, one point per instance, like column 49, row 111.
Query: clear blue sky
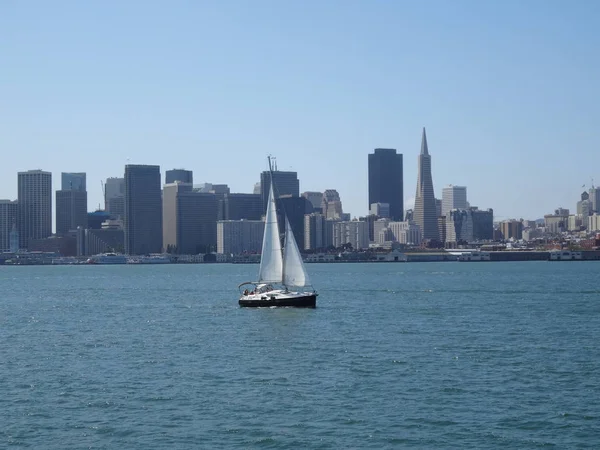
column 508, row 92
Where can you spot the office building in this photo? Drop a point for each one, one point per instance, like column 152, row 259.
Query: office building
column 354, row 233
column 386, row 183
column 286, row 184
column 315, row 199
column 189, row 220
column 235, row 237
column 511, row 229
column 295, row 209
column 453, row 197
column 35, row 206
column 73, row 181
column 9, row 212
column 483, row 224
column 71, row 210
column 240, row 206
column 331, row 205
column 380, row 210
column 143, row 210
column 114, row 197
column 425, row 211
column 181, row 175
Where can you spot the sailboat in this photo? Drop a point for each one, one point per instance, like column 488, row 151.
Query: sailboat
column 282, row 277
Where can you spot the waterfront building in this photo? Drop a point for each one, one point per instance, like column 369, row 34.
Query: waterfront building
column 9, row 212
column 190, row 220
column 354, row 232
column 483, row 224
column 181, row 175
column 314, row 231
column 459, row 226
column 425, row 211
column 558, row 222
column 143, row 210
column 35, row 206
column 453, row 197
column 406, row 232
column 235, row 237
column 511, row 229
column 593, row 223
column 386, row 183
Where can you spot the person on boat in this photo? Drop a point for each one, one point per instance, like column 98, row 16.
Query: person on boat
column 246, row 292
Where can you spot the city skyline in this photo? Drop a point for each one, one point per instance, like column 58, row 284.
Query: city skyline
column 508, row 94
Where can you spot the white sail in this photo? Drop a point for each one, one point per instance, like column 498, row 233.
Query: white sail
column 271, row 261
column 293, row 267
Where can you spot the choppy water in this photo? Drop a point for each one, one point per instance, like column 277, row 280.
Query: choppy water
column 430, row 355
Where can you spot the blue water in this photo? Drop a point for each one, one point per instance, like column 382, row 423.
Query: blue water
column 421, row 355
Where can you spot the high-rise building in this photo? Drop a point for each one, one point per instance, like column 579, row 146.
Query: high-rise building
column 189, row 220
column 594, row 197
column 331, row 205
column 386, row 183
column 315, row 198
column 240, row 206
column 143, row 210
column 454, row 197
column 73, row 181
column 182, row 175
column 9, row 211
column 295, row 209
column 354, row 233
column 239, row 236
column 314, row 231
column 35, row 206
column 381, row 210
column 459, row 225
column 511, row 229
column 114, row 197
column 483, row 224
column 71, row 210
column 285, row 183
column 425, row 214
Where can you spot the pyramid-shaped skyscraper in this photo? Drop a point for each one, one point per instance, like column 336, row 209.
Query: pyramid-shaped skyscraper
column 425, row 211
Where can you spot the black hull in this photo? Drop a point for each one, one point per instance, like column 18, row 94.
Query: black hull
column 308, row 301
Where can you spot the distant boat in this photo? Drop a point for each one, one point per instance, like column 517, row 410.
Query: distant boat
column 108, row 258
column 280, row 272
column 151, row 259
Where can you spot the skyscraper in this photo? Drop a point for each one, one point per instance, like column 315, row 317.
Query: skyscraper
column 425, row 214
column 453, row 197
column 386, row 183
column 35, row 205
column 8, row 218
column 143, row 210
column 71, row 181
column 189, row 220
column 286, row 183
column 71, row 203
column 182, row 175
column 71, row 210
column 114, row 197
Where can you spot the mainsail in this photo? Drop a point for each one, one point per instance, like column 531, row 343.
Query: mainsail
column 293, row 267
column 271, row 261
